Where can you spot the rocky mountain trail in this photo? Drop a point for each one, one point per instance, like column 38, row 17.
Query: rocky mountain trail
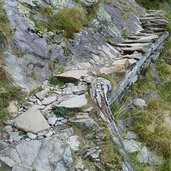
column 68, row 124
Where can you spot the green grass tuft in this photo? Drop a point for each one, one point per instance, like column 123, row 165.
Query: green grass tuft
column 71, row 20
column 55, row 81
column 61, row 111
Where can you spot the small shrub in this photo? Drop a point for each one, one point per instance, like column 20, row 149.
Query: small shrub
column 168, row 15
column 36, row 90
column 55, row 81
column 92, row 11
column 124, row 16
column 46, row 11
column 169, row 28
column 3, row 75
column 164, row 69
column 61, row 111
column 4, row 23
column 33, row 74
column 125, row 34
column 133, row 10
column 153, row 105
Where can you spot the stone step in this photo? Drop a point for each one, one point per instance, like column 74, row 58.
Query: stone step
column 145, row 39
column 118, row 66
column 136, row 45
column 134, row 56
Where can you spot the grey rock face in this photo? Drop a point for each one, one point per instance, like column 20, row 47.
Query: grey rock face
column 42, row 155
column 28, row 151
column 86, row 50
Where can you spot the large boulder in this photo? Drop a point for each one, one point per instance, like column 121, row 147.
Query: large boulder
column 53, row 153
column 31, row 121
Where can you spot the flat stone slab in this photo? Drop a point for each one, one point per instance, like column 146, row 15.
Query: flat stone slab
column 48, row 154
column 76, row 101
column 31, row 121
column 118, row 66
column 75, row 74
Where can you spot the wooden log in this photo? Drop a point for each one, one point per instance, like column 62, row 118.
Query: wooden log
column 131, row 73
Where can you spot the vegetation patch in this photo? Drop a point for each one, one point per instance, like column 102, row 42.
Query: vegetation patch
column 150, row 123
column 152, row 4
column 5, row 28
column 11, row 93
column 92, row 11
column 55, row 81
column 68, row 20
column 61, row 111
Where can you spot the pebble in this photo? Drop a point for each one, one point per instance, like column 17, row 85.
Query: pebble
column 9, row 122
column 15, row 137
column 59, row 124
column 49, row 134
column 8, row 129
column 52, row 120
column 31, row 135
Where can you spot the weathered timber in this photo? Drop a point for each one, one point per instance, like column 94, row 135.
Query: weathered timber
column 98, row 93
column 133, row 72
